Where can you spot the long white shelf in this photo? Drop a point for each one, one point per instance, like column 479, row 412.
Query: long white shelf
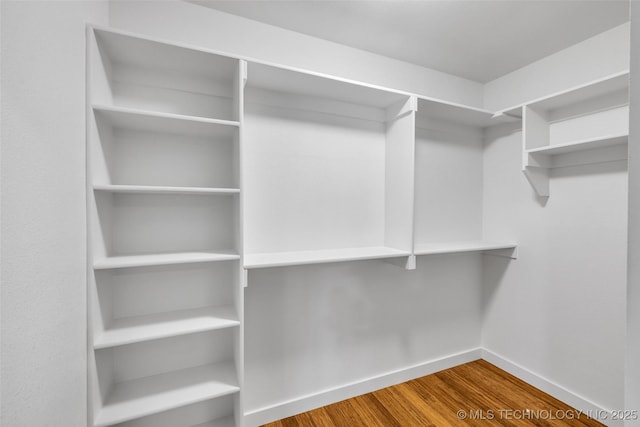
column 153, row 189
column 280, row 259
column 135, row 329
column 125, row 261
column 459, row 114
column 609, row 84
column 304, row 83
column 459, row 247
column 153, row 121
column 147, row 396
column 587, row 144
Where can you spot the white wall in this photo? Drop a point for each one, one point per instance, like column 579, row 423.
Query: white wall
column 594, row 58
column 559, row 310
column 200, row 26
column 632, row 367
column 316, row 328
column 43, row 324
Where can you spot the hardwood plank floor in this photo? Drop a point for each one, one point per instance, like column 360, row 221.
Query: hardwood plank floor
column 473, row 394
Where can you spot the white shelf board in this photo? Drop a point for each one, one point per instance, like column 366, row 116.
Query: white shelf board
column 222, row 422
column 610, row 84
column 135, row 329
column 150, row 395
column 458, row 247
column 280, row 259
column 152, row 189
column 155, row 54
column 315, row 85
column 124, row 261
column 459, row 114
column 587, row 144
column 153, row 121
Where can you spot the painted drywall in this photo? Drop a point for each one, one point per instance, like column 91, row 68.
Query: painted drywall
column 632, row 367
column 597, row 57
column 43, row 323
column 559, row 310
column 200, row 26
column 316, row 328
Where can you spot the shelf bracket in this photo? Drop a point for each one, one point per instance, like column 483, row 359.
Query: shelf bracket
column 538, row 178
column 511, row 253
column 244, row 277
column 408, row 263
column 401, row 108
column 243, row 72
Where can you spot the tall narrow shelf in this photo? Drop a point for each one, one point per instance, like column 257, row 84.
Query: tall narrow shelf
column 586, row 124
column 164, row 201
column 328, row 172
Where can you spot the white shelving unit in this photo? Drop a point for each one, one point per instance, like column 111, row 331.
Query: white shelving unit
column 201, row 166
column 586, row 124
column 164, row 205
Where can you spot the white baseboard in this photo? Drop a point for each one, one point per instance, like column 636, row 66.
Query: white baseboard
column 570, row 398
column 306, row 403
column 326, row 397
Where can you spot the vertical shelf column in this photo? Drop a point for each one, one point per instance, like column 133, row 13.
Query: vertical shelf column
column 240, row 80
column 399, row 179
column 164, row 194
column 535, row 129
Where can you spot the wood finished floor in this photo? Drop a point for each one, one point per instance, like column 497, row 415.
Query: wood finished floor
column 435, row 400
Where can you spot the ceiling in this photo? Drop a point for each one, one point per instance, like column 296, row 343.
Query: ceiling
column 479, row 40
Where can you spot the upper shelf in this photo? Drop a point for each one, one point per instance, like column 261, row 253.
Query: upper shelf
column 459, row 114
column 611, row 84
column 154, row 55
column 461, row 247
column 137, row 72
column 280, row 259
column 587, row 144
column 151, row 121
column 318, row 86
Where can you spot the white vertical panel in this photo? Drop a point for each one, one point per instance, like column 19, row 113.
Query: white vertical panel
column 239, row 276
column 632, row 355
column 399, row 180
column 536, row 128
